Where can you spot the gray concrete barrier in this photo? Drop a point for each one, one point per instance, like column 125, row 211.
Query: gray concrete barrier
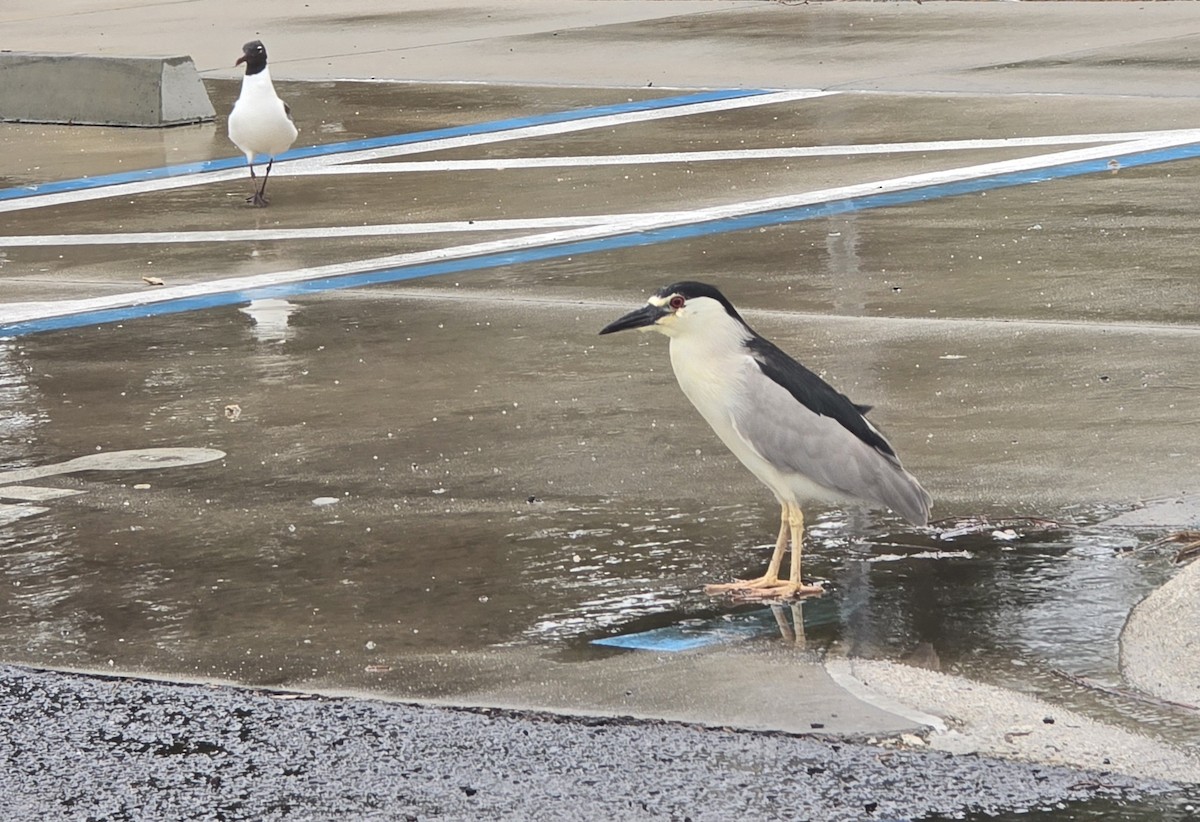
column 1160, row 644
column 42, row 87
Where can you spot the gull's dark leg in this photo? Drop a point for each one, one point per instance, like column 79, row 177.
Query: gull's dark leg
column 260, row 196
column 254, row 186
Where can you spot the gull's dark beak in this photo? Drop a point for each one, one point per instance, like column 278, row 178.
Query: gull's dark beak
column 240, row 60
column 644, row 316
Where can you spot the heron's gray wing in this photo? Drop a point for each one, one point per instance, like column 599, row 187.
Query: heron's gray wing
column 796, row 440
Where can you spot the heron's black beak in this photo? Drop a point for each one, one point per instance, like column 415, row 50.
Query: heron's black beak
column 644, row 316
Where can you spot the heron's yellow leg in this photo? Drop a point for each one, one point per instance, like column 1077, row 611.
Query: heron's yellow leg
column 771, row 577
column 772, row 574
column 796, row 585
column 769, row 586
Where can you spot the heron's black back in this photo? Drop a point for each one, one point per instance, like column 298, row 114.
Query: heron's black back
column 814, row 393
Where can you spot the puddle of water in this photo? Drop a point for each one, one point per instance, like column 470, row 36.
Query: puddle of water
column 1041, row 614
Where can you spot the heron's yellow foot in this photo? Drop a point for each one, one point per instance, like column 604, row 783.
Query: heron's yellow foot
column 764, row 589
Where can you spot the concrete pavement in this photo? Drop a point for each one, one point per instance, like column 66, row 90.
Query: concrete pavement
column 1065, row 48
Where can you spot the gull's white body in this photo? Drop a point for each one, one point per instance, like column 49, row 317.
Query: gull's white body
column 259, row 124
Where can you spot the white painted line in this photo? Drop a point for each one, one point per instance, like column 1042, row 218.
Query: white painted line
column 285, row 167
column 550, row 129
column 139, row 459
column 841, row 671
column 316, row 233
column 21, row 312
column 125, row 189
column 454, row 226
column 785, row 153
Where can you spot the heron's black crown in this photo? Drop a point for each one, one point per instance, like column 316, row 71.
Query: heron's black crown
column 690, row 289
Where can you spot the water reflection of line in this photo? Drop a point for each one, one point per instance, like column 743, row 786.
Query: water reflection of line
column 41, row 584
column 602, row 577
column 600, row 613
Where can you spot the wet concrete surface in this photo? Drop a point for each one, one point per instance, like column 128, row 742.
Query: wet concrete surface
column 526, row 501
column 450, row 488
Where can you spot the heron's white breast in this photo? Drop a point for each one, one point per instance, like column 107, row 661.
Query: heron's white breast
column 712, row 373
column 711, row 370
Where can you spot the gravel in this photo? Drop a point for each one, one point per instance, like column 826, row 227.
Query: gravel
column 78, row 747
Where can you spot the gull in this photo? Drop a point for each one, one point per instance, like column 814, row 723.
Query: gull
column 260, row 123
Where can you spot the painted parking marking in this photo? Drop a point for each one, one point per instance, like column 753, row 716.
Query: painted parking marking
column 140, row 459
column 317, row 157
column 641, row 230
column 759, row 98
column 692, row 157
column 315, row 233
column 34, row 493
column 454, row 226
column 569, row 235
column 366, row 143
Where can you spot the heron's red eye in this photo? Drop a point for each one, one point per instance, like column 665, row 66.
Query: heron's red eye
column 677, row 302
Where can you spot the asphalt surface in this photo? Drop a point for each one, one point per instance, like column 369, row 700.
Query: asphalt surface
column 77, row 748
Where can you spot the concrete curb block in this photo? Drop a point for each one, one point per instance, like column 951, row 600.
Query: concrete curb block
column 1160, row 644
column 81, row 89
column 994, row 721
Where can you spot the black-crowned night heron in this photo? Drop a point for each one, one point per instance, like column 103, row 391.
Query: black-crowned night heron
column 260, row 123
column 795, row 432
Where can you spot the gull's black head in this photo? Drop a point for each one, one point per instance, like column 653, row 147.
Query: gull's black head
column 686, row 305
column 254, row 55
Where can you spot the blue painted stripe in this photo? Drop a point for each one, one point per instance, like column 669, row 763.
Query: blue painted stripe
column 630, row 240
column 329, row 149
